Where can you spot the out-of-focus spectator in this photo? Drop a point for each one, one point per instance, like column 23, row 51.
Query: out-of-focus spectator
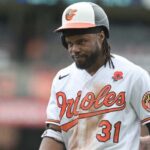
column 35, row 49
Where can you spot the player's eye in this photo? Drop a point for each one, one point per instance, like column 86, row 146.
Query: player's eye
column 69, row 44
column 82, row 42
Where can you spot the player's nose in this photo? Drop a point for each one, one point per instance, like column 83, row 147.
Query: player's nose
column 74, row 49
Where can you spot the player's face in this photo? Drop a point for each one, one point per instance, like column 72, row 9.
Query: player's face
column 86, row 50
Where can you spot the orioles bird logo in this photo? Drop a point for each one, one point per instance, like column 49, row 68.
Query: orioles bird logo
column 146, row 101
column 70, row 13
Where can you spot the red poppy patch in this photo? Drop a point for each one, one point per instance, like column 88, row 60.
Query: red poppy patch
column 118, row 75
column 146, row 101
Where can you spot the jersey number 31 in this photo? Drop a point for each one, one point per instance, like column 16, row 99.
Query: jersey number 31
column 106, row 131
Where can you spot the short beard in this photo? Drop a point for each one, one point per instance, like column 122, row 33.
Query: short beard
column 90, row 60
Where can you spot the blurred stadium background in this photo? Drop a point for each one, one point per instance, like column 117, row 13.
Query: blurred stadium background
column 31, row 54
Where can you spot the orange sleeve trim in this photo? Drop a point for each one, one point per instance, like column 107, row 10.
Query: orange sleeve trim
column 69, row 125
column 145, row 120
column 52, row 120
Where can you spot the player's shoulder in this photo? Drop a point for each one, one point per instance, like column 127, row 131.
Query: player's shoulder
column 128, row 67
column 65, row 72
column 126, row 64
column 67, row 69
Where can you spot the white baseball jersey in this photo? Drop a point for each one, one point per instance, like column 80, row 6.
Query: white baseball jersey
column 103, row 111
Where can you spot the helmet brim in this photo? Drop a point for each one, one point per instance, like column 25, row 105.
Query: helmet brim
column 75, row 26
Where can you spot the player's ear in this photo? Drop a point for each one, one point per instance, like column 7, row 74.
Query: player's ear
column 101, row 36
column 64, row 43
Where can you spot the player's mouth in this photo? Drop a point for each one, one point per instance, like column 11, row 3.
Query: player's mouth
column 79, row 60
column 79, row 57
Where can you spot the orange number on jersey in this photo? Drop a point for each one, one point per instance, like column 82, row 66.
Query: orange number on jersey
column 106, row 131
column 117, row 131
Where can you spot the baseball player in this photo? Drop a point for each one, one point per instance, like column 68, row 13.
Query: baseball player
column 99, row 101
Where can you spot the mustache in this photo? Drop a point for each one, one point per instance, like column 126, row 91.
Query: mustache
column 78, row 55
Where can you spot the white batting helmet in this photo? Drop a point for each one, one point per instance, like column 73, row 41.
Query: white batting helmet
column 84, row 15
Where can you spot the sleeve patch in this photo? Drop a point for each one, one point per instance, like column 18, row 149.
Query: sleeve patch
column 146, row 101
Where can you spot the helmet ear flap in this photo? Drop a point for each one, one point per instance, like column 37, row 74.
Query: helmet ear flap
column 64, row 41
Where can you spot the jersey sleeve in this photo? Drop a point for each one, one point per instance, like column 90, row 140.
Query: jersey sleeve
column 52, row 109
column 141, row 97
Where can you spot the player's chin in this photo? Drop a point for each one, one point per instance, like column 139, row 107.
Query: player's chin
column 81, row 62
column 81, row 65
